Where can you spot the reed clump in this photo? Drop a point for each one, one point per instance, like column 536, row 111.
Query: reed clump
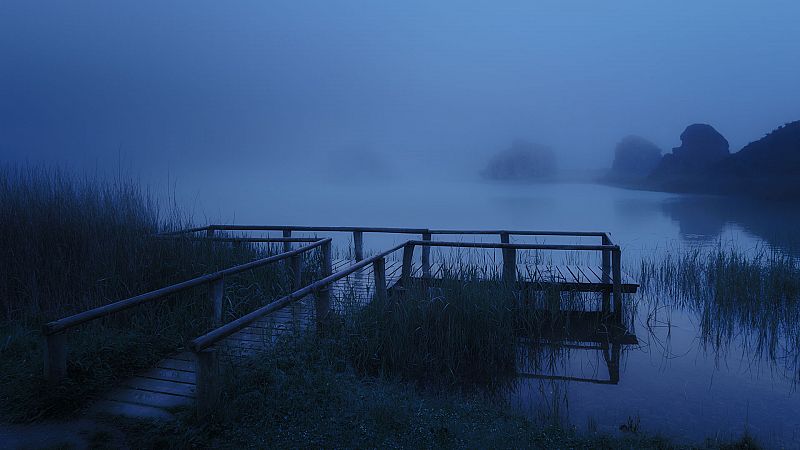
column 751, row 297
column 69, row 244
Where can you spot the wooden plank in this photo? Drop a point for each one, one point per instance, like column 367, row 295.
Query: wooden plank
column 132, row 410
column 147, row 398
column 167, row 387
column 176, row 364
column 185, row 356
column 180, row 376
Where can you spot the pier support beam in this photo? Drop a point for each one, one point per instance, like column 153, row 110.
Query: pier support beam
column 216, row 291
column 616, row 267
column 426, row 256
column 287, row 246
column 408, row 258
column 606, row 276
column 358, row 245
column 379, row 273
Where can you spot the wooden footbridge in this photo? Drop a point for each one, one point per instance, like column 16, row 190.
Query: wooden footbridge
column 191, row 376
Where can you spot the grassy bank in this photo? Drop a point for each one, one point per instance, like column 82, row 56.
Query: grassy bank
column 69, row 244
column 306, row 393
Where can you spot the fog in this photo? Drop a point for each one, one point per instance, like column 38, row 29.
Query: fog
column 197, row 90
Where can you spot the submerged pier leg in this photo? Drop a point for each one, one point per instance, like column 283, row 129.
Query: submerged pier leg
column 616, row 267
column 606, row 277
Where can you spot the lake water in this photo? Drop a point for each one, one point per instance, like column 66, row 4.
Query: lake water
column 670, row 382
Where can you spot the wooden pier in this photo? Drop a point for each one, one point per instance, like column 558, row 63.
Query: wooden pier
column 190, row 376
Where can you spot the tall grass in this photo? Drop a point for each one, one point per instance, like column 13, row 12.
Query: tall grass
column 70, row 243
column 752, row 298
column 456, row 332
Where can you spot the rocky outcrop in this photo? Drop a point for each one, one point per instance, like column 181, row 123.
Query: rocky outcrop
column 634, row 159
column 769, row 167
column 523, row 161
column 701, row 148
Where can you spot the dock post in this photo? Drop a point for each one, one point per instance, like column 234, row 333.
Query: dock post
column 287, row 246
column 379, row 273
column 509, row 265
column 207, row 381
column 297, row 272
column 209, row 232
column 358, row 245
column 606, row 276
column 216, row 291
column 322, row 298
column 55, row 357
column 426, row 256
column 504, row 238
column 408, row 257
column 617, row 276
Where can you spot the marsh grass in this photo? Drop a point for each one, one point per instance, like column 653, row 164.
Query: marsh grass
column 458, row 332
column 69, row 244
column 751, row 298
column 304, row 392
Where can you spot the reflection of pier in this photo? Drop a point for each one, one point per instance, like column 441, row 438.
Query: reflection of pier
column 582, row 331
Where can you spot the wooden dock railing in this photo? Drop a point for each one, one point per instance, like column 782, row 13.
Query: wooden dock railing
column 425, row 233
column 55, row 364
column 203, row 346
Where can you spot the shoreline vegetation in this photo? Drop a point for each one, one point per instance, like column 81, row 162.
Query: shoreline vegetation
column 418, row 374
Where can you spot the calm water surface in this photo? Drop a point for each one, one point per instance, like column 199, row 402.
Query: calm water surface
column 671, row 382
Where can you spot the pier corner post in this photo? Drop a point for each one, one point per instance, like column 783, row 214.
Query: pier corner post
column 358, row 245
column 616, row 266
column 426, row 256
column 408, row 257
column 297, row 271
column 208, row 388
column 55, row 357
column 287, row 246
column 379, row 272
column 606, row 269
column 216, row 290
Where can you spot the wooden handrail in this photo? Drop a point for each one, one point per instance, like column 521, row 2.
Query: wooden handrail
column 241, row 239
column 207, row 340
column 202, row 346
column 77, row 319
column 393, row 230
column 232, row 327
column 515, row 246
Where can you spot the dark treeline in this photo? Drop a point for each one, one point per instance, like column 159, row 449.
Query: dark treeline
column 768, row 167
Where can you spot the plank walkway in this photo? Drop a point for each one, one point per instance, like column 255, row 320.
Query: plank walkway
column 172, row 382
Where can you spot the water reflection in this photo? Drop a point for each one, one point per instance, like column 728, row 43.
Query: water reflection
column 705, row 218
column 543, row 356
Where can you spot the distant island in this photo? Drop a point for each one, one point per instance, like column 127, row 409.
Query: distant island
column 768, row 167
column 523, row 161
